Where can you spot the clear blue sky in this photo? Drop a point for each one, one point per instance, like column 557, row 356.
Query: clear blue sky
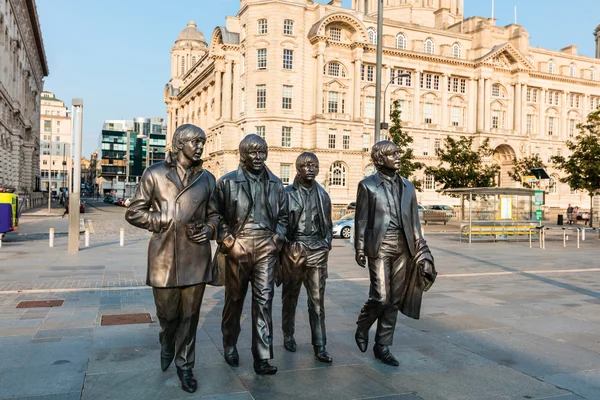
column 115, row 53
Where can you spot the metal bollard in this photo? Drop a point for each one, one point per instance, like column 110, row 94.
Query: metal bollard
column 530, row 233
column 577, row 237
column 583, row 235
column 87, row 237
column 543, row 239
column 122, row 239
column 51, row 237
column 564, row 238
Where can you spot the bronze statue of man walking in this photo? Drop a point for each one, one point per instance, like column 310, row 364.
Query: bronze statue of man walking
column 172, row 201
column 252, row 228
column 305, row 253
column 388, row 236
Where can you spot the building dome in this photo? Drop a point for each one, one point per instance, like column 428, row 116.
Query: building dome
column 191, row 32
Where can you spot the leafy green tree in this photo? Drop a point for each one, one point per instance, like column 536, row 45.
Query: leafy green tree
column 583, row 165
column 462, row 167
column 403, row 141
column 523, row 168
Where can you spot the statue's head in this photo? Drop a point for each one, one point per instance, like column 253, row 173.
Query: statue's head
column 385, row 155
column 189, row 140
column 307, row 167
column 253, row 153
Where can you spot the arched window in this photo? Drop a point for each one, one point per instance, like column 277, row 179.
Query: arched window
column 572, row 70
column 337, row 174
column 593, row 73
column 553, row 185
column 401, row 41
column 429, row 46
column 497, row 90
column 456, row 50
column 551, row 67
column 372, row 36
column 334, row 68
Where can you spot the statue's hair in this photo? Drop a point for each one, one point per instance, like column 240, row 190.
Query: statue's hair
column 185, row 133
column 380, row 150
column 252, row 142
column 306, row 157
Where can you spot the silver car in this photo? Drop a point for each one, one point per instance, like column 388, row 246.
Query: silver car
column 343, row 226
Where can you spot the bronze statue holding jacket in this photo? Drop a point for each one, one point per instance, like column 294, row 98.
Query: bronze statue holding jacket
column 173, row 196
column 388, row 236
column 304, row 259
column 253, row 211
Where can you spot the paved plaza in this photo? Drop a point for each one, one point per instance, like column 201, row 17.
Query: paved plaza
column 503, row 321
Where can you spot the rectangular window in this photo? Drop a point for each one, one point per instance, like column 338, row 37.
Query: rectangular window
column 370, row 107
column 428, row 112
column 288, row 59
column 47, row 126
column 287, row 97
column 529, row 124
column 335, row 34
column 286, row 136
column 367, row 73
column 261, row 59
column 495, row 119
column 455, row 116
column 57, row 123
column 332, row 102
column 572, row 126
column 550, row 126
column 429, row 182
column 261, row 97
column 285, row 173
column 425, row 146
column 260, row 131
column 398, row 79
column 436, row 147
column 332, row 135
column 288, row 27
column 346, row 140
column 262, row 27
column 366, row 141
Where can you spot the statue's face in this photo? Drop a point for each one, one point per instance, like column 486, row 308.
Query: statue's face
column 391, row 161
column 308, row 171
column 254, row 160
column 192, row 149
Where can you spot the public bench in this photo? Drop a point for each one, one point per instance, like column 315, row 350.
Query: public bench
column 435, row 216
column 498, row 230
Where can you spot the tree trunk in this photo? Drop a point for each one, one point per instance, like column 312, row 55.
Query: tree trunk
column 591, row 211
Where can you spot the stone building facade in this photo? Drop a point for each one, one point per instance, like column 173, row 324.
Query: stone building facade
column 23, row 67
column 55, row 142
column 302, row 74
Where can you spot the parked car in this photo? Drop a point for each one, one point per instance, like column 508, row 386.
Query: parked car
column 421, row 208
column 351, row 206
column 343, row 226
column 449, row 209
column 109, row 199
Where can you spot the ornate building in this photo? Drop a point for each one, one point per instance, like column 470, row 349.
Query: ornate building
column 302, row 75
column 22, row 69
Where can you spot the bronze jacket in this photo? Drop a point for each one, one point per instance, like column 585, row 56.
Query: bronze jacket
column 372, row 216
column 233, row 201
column 165, row 207
column 416, row 281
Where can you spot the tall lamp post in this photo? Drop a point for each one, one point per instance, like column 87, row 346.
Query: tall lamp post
column 74, row 223
column 378, row 70
column 126, row 160
column 384, row 125
column 64, row 183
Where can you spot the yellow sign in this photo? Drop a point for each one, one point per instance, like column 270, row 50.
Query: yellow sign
column 530, row 179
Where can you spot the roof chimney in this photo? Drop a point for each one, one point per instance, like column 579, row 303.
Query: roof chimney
column 597, row 35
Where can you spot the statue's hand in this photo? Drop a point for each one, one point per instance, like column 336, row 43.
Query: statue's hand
column 427, row 267
column 361, row 259
column 203, row 235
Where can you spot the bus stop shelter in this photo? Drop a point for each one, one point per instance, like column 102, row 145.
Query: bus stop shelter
column 502, row 211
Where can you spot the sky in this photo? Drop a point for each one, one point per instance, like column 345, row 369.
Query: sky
column 115, row 53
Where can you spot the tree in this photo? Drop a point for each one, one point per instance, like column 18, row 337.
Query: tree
column 403, row 141
column 462, row 167
column 583, row 165
column 523, row 168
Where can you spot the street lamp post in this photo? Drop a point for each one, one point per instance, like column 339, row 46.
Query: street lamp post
column 64, row 165
column 384, row 125
column 126, row 160
column 378, row 68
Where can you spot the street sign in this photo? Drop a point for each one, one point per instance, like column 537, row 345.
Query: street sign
column 538, row 198
column 530, row 179
column 538, row 215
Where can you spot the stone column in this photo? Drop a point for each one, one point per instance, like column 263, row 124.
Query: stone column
column 517, row 110
column 563, row 115
column 235, row 106
column 472, row 105
column 480, row 104
column 216, row 96
column 523, row 111
column 584, row 107
column 487, row 104
column 542, row 114
column 210, row 118
column 510, row 123
column 17, row 162
column 27, row 176
column 444, row 111
column 226, row 110
column 320, row 63
column 357, row 84
column 417, row 99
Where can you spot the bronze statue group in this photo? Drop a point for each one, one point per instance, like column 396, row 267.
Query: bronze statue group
column 269, row 235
